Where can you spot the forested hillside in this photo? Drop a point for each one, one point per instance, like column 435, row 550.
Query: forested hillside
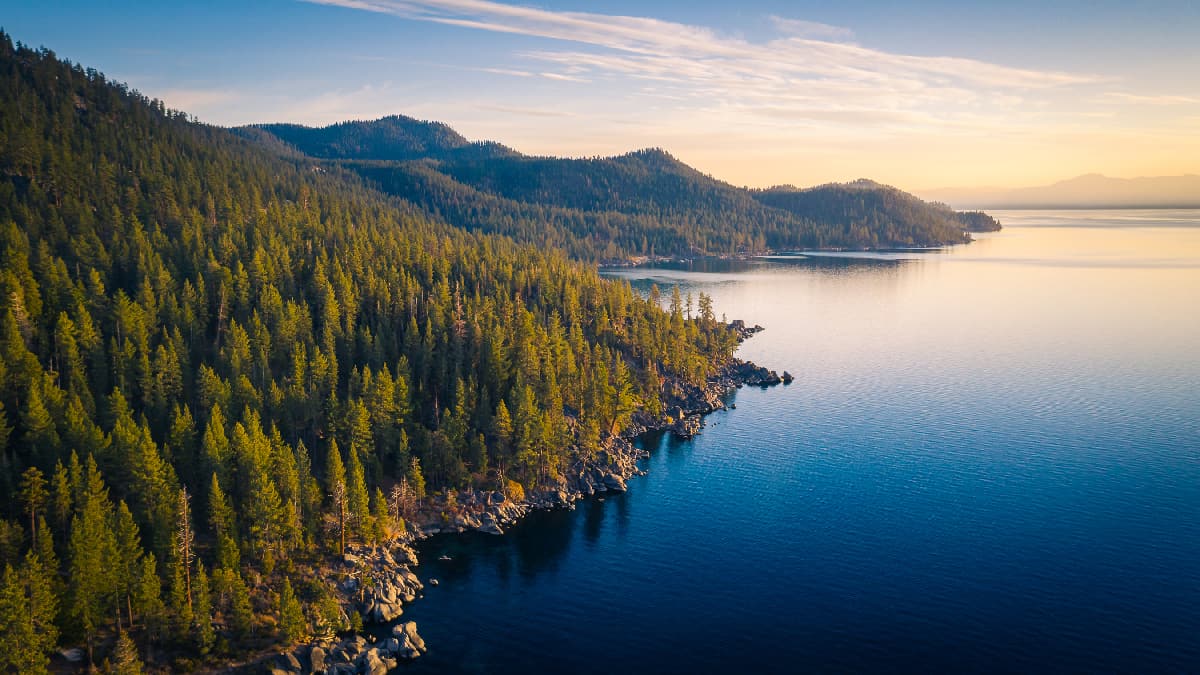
column 867, row 211
column 583, row 234
column 394, row 138
column 614, row 208
column 219, row 361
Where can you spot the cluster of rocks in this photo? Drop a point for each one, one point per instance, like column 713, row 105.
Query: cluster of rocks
column 356, row 655
column 487, row 511
column 376, row 582
column 687, row 426
column 607, row 471
column 688, row 404
column 743, row 331
column 739, row 373
column 379, row 578
column 491, row 511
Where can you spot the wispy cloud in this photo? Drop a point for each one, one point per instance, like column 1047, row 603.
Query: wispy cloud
column 805, row 87
column 506, row 71
column 805, row 53
column 562, row 78
column 811, row 29
column 526, row 112
column 1141, row 99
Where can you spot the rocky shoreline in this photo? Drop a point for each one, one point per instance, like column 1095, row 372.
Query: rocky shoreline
column 377, row 581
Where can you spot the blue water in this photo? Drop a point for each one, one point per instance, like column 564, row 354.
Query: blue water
column 989, row 461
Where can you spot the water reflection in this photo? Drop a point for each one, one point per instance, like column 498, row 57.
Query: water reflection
column 593, row 520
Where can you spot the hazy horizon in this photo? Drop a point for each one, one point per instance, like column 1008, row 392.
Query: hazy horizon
column 922, row 97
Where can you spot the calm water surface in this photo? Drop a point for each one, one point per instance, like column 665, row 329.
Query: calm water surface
column 989, row 461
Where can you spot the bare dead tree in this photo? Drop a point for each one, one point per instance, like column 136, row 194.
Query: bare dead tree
column 185, row 540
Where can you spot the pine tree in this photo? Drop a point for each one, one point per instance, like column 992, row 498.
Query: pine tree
column 224, row 528
column 292, row 626
column 381, row 521
column 184, row 552
column 28, row 606
column 17, row 651
column 47, row 556
column 61, row 499
column 266, row 517
column 33, row 495
column 241, row 619
column 125, row 659
column 358, row 427
column 335, row 480
column 204, row 635
column 416, row 479
column 356, row 491
column 39, row 577
column 310, row 492
column 152, row 482
column 502, row 431
column 128, row 567
column 148, row 598
column 6, row 428
column 215, row 445
column 41, row 437
column 181, row 613
column 93, row 551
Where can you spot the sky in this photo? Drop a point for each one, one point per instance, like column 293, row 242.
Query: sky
column 919, row 95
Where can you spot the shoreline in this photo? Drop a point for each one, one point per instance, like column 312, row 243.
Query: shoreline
column 377, row 581
column 640, row 261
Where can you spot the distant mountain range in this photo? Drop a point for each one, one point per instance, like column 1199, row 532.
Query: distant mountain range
column 645, row 203
column 1088, row 191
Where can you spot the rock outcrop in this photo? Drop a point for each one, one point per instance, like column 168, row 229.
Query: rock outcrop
column 355, row 655
column 379, row 580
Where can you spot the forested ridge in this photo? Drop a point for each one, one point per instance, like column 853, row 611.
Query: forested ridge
column 219, row 362
column 395, row 137
column 868, row 211
column 607, row 209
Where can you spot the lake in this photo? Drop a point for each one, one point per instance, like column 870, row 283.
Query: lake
column 989, row 461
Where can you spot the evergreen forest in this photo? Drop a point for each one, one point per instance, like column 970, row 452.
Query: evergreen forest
column 220, row 362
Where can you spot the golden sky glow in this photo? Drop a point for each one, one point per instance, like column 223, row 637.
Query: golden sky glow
column 924, row 95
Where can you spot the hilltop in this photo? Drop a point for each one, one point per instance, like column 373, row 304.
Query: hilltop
column 643, row 203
